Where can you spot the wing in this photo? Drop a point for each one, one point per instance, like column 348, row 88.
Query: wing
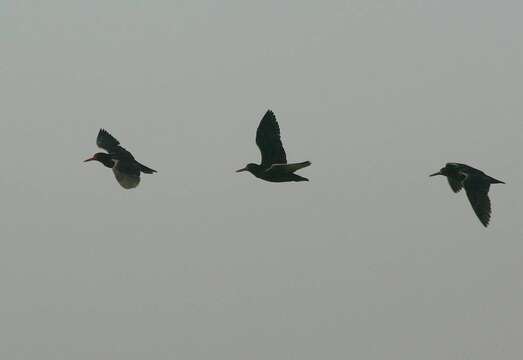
column 288, row 168
column 477, row 192
column 106, row 141
column 455, row 184
column 269, row 141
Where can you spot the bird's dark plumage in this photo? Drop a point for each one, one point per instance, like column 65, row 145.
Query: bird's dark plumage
column 269, row 141
column 273, row 165
column 106, row 141
column 125, row 168
column 476, row 184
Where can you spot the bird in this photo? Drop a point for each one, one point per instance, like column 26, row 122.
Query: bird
column 274, row 166
column 476, row 184
column 125, row 168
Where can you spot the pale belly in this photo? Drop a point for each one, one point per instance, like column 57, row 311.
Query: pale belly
column 126, row 181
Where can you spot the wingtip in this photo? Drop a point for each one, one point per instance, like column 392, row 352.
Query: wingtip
column 103, row 132
column 305, row 164
column 485, row 221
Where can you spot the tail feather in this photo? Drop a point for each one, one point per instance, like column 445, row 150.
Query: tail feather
column 297, row 177
column 495, row 181
column 146, row 170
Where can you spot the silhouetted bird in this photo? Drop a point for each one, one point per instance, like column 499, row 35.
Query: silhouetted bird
column 476, row 184
column 274, row 165
column 125, row 168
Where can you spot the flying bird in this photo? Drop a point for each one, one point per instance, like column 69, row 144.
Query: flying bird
column 476, row 184
column 274, row 166
column 125, row 168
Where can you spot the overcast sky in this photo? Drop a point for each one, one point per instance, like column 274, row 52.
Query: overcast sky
column 371, row 259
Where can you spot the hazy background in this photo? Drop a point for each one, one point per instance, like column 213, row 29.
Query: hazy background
column 371, row 259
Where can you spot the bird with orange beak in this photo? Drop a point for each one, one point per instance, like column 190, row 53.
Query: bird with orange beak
column 125, row 168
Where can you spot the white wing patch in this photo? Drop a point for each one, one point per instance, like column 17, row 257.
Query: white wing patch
column 465, row 176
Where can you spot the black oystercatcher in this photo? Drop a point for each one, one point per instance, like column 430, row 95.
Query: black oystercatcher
column 125, row 168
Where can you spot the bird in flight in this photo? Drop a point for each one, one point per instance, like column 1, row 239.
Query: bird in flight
column 125, row 168
column 274, row 166
column 476, row 184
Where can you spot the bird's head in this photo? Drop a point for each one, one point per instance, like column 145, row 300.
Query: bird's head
column 443, row 171
column 103, row 158
column 252, row 168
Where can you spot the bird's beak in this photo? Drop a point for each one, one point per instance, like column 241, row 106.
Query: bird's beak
column 438, row 173
column 90, row 159
column 244, row 169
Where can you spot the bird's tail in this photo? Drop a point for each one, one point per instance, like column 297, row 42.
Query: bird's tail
column 296, row 177
column 495, row 181
column 146, row 170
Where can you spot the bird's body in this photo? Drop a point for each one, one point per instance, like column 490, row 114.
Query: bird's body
column 274, row 166
column 476, row 184
column 278, row 172
column 125, row 167
column 128, row 177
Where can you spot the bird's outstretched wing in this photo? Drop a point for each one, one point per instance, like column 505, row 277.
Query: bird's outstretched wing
column 269, row 141
column 477, row 192
column 106, row 141
column 455, row 184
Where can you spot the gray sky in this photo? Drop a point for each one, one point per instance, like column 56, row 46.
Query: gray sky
column 371, row 259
